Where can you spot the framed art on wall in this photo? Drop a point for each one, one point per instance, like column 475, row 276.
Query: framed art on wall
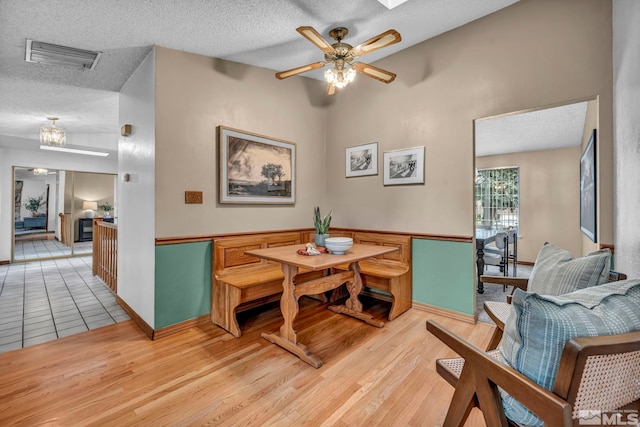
column 404, row 166
column 255, row 169
column 588, row 185
column 362, row 160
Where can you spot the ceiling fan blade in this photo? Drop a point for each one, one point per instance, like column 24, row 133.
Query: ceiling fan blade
column 378, row 42
column 299, row 70
column 374, row 72
column 314, row 37
column 331, row 89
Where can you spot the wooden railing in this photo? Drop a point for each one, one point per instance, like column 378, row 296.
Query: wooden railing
column 65, row 228
column 105, row 253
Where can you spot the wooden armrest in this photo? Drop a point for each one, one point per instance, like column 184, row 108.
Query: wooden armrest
column 517, row 282
column 485, row 373
column 614, row 276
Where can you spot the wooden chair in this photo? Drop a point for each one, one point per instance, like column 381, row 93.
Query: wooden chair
column 586, row 365
column 498, row 255
column 499, row 311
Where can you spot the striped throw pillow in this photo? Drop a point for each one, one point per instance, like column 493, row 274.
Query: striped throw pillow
column 539, row 326
column 557, row 272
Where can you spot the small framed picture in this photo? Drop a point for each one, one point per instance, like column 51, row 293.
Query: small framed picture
column 362, row 160
column 404, row 166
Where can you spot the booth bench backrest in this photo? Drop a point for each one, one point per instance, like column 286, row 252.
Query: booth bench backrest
column 229, row 252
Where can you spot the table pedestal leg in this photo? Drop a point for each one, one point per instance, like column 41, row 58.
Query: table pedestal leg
column 353, row 306
column 291, row 291
column 480, row 265
column 288, row 338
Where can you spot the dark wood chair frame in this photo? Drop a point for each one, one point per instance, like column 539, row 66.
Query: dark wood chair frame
column 482, row 374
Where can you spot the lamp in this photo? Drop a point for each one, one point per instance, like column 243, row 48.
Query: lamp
column 52, row 135
column 341, row 75
column 40, row 171
column 89, row 207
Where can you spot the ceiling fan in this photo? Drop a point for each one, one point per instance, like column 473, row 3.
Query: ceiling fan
column 341, row 56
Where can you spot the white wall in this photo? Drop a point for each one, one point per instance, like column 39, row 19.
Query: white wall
column 10, row 157
column 626, row 115
column 136, row 214
column 512, row 60
column 196, row 94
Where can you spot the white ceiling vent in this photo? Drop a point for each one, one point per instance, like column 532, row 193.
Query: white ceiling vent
column 47, row 53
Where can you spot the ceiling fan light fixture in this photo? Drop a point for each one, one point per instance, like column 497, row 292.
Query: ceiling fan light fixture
column 342, row 55
column 52, row 135
column 340, row 77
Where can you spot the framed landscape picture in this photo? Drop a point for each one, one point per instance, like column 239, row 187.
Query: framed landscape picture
column 588, row 183
column 362, row 160
column 255, row 169
column 404, row 166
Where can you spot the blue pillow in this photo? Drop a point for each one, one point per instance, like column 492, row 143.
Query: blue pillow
column 539, row 326
column 557, row 272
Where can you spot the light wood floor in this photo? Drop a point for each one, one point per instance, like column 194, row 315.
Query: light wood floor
column 116, row 376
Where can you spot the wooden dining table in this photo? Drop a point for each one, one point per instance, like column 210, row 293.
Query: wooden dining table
column 291, row 262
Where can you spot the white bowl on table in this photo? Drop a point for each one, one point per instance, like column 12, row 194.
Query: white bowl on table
column 338, row 245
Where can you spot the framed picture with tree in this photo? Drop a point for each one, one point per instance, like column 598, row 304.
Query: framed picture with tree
column 255, row 169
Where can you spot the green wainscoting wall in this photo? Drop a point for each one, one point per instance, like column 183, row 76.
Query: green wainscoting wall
column 183, row 282
column 443, row 274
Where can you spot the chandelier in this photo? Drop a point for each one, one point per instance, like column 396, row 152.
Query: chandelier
column 341, row 75
column 52, row 135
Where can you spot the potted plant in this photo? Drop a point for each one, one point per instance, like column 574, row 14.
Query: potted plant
column 33, row 204
column 107, row 208
column 322, row 226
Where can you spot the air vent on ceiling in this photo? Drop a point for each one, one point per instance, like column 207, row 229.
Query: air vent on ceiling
column 47, row 53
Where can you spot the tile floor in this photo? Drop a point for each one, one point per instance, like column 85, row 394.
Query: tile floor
column 33, row 249
column 44, row 300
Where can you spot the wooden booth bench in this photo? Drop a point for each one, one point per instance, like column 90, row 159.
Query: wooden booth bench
column 390, row 273
column 241, row 282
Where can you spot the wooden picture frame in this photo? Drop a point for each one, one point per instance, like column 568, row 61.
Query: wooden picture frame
column 361, row 160
column 255, row 169
column 403, row 167
column 588, row 186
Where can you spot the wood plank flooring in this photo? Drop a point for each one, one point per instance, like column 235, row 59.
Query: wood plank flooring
column 115, row 376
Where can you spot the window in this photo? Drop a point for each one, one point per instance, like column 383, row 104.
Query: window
column 498, row 197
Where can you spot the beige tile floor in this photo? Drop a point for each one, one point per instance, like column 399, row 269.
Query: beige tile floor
column 44, row 300
column 34, row 249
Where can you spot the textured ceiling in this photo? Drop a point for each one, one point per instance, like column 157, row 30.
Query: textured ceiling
column 535, row 130
column 255, row 32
